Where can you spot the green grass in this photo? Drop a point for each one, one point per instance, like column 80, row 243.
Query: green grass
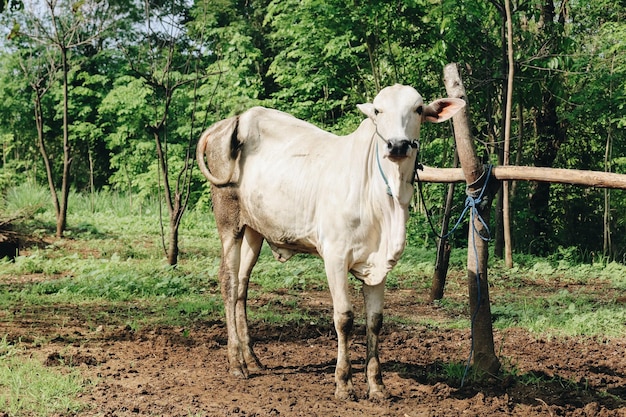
column 110, row 269
column 563, row 314
column 28, row 388
column 121, row 260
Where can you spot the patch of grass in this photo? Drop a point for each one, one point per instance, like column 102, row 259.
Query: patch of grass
column 616, row 274
column 194, row 308
column 534, row 379
column 28, row 388
column 281, row 312
column 454, row 372
column 563, row 313
column 301, row 272
column 26, row 197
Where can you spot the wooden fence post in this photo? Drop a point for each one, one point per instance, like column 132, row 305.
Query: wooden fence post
column 484, row 357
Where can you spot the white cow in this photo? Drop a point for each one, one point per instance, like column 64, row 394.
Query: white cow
column 302, row 189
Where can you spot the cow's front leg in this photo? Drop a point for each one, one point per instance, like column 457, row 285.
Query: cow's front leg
column 343, row 317
column 343, row 372
column 373, row 296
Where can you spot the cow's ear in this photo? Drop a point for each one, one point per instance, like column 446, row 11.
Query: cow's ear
column 442, row 109
column 368, row 109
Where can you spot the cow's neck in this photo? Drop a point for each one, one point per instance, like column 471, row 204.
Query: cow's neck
column 397, row 177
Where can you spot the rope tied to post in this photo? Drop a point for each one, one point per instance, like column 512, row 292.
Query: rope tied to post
column 472, row 203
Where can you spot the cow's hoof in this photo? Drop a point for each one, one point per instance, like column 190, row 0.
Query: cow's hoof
column 256, row 367
column 345, row 394
column 378, row 395
column 239, row 372
column 253, row 363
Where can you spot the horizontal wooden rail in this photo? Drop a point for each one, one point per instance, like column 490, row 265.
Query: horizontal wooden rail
column 521, row 173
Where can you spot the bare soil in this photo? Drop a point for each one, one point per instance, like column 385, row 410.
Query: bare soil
column 170, row 371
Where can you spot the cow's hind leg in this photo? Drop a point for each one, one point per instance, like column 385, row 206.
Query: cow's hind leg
column 250, row 249
column 229, row 283
column 227, row 218
column 373, row 296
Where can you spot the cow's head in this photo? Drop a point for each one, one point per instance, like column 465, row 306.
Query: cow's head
column 397, row 113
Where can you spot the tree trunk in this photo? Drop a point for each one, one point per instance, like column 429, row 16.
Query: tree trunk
column 550, row 136
column 175, row 204
column 608, row 151
column 443, row 246
column 92, row 187
column 498, row 246
column 485, row 358
column 67, row 151
column 172, row 251
column 506, row 210
column 44, row 152
column 441, row 269
column 172, row 204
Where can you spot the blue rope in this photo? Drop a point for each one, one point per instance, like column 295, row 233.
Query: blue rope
column 471, row 205
column 380, row 168
column 473, row 215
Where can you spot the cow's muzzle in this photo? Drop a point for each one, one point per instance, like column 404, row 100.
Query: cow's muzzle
column 399, row 148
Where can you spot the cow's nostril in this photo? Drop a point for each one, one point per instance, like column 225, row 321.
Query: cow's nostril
column 389, row 145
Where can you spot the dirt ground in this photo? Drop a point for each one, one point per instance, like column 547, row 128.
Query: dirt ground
column 183, row 372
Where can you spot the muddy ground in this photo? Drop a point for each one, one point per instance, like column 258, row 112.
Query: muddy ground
column 182, row 372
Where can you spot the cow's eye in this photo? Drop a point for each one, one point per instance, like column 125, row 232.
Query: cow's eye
column 376, row 111
column 419, row 110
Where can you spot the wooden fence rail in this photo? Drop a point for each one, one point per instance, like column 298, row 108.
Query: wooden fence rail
column 523, row 173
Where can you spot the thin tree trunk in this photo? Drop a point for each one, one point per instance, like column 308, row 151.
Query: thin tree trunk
column 520, row 139
column 130, row 186
column 67, row 159
column 172, row 247
column 506, row 210
column 92, row 188
column 44, row 153
column 484, row 357
column 498, row 247
column 608, row 150
column 550, row 135
column 172, row 250
column 443, row 246
column 606, row 247
column 175, row 206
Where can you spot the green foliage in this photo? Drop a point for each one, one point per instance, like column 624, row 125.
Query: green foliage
column 317, row 59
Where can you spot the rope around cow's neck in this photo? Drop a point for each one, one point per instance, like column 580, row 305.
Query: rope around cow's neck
column 414, row 145
column 382, row 173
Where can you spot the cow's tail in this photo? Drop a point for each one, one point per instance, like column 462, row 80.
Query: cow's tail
column 219, row 147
